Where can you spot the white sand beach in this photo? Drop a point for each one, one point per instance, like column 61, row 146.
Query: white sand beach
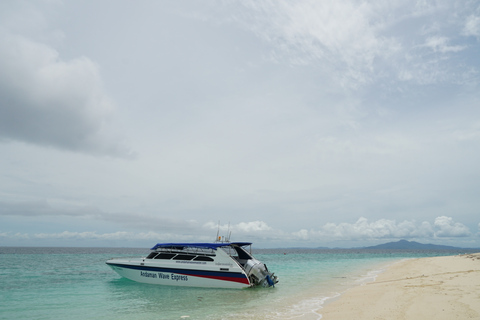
column 426, row 288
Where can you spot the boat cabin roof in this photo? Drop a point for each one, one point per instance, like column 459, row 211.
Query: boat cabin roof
column 213, row 245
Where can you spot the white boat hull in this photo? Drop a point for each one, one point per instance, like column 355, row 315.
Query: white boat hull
column 181, row 277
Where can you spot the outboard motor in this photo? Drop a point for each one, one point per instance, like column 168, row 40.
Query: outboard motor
column 270, row 282
column 256, row 271
column 258, row 274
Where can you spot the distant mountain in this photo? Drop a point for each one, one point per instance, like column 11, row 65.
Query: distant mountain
column 411, row 245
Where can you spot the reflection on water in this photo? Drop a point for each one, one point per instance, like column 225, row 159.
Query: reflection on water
column 129, row 297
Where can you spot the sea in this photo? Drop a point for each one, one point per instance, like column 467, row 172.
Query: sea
column 75, row 283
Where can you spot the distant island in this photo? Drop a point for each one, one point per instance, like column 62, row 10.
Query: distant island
column 412, row 245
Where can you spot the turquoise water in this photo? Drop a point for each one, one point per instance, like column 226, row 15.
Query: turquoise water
column 75, row 283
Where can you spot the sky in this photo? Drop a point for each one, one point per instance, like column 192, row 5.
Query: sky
column 285, row 123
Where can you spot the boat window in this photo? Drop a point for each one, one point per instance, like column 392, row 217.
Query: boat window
column 165, row 256
column 183, row 257
column 151, row 255
column 205, row 254
column 203, row 258
column 242, row 254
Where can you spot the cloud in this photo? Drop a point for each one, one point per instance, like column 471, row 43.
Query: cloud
column 17, row 235
column 242, row 227
column 361, row 43
column 119, row 235
column 440, row 44
column 165, row 233
column 363, row 229
column 340, row 35
column 472, row 26
column 446, row 227
column 47, row 101
column 303, row 234
column 255, row 226
column 51, row 208
column 380, row 229
column 93, row 235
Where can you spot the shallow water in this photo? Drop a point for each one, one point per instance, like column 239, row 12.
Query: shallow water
column 75, row 283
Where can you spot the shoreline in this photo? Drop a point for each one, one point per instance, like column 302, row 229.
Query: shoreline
column 444, row 287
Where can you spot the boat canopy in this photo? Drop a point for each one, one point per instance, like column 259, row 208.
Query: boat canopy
column 213, row 245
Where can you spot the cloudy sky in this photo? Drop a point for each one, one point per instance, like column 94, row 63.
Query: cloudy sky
column 290, row 123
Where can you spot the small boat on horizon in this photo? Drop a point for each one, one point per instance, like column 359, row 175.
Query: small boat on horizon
column 210, row 265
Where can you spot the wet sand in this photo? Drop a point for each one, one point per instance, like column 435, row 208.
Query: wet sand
column 427, row 288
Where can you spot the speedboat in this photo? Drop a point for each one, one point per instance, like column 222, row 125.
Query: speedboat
column 214, row 265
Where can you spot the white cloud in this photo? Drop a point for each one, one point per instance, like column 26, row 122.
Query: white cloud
column 125, row 236
column 303, row 234
column 241, row 227
column 360, row 43
column 472, row 26
column 255, row 118
column 380, row 229
column 53, row 209
column 363, row 229
column 93, row 235
column 254, row 226
column 343, row 35
column 446, row 227
column 18, row 235
column 149, row 236
column 440, row 44
column 51, row 102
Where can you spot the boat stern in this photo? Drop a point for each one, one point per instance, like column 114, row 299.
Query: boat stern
column 259, row 274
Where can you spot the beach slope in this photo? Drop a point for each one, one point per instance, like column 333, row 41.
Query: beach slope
column 427, row 288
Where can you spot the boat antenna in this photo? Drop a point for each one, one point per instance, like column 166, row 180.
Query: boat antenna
column 218, row 230
column 229, row 233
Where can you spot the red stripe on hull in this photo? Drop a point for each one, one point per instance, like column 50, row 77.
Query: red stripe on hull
column 243, row 280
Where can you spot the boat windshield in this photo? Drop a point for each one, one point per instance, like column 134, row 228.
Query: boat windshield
column 237, row 252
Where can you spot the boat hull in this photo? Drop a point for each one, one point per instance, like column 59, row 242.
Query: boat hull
column 180, row 277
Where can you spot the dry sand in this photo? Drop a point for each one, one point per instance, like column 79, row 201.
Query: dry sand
column 427, row 288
